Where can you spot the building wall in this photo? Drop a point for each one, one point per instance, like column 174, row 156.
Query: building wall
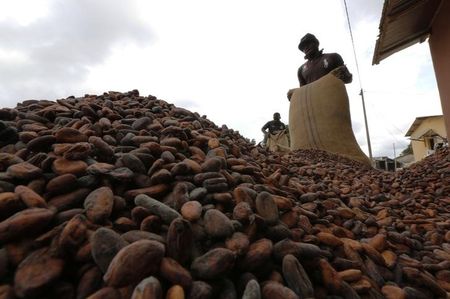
column 440, row 49
column 419, row 147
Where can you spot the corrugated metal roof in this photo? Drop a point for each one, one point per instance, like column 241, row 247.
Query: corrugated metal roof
column 417, row 123
column 402, row 24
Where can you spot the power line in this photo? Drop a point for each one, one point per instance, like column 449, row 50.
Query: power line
column 353, row 43
column 360, row 83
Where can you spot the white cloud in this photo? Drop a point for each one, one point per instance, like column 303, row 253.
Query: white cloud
column 23, row 12
column 233, row 61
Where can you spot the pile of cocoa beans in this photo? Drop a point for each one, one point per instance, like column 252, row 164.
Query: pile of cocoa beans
column 125, row 196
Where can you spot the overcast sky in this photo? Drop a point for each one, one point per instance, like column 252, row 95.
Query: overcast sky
column 233, row 61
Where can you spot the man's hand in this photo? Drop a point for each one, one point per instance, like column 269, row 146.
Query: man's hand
column 290, row 92
column 343, row 74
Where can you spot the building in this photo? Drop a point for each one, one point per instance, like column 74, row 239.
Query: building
column 427, row 133
column 405, row 160
column 386, row 163
column 406, row 22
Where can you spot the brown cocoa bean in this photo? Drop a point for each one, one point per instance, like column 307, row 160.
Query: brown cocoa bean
column 134, row 262
column 330, row 276
column 296, row 277
column 105, row 245
column 99, row 204
column 30, row 198
column 172, row 271
column 257, row 255
column 74, row 233
column 25, row 223
column 252, row 290
column 217, row 225
column 267, row 208
column 37, row 272
column 63, row 166
column 90, row 282
column 62, row 183
column 192, row 210
column 179, row 241
column 238, row 243
column 10, row 203
column 213, row 264
column 24, row 171
column 166, row 213
column 393, row 292
column 107, row 293
column 274, row 290
column 148, row 288
column 200, row 290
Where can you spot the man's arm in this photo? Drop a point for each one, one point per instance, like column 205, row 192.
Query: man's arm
column 264, row 128
column 341, row 71
column 301, row 80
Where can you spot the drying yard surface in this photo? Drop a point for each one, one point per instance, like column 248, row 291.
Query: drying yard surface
column 125, row 196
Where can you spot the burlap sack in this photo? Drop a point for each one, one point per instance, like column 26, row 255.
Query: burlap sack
column 278, row 142
column 319, row 118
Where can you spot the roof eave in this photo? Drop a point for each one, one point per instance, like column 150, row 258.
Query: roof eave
column 403, row 44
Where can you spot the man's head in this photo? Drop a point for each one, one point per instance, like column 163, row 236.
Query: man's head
column 308, row 43
column 276, row 116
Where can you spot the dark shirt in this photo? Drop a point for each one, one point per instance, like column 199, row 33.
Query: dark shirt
column 274, row 126
column 318, row 67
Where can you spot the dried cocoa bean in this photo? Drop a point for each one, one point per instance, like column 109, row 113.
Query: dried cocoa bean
column 213, row 264
column 134, row 262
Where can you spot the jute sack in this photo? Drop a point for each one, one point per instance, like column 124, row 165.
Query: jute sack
column 278, row 142
column 319, row 118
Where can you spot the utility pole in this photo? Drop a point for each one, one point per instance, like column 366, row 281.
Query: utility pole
column 360, row 85
column 395, row 158
column 367, row 126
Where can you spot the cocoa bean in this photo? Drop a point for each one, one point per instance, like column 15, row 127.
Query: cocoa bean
column 252, row 290
column 136, row 235
column 65, row 182
column 24, row 171
column 200, row 290
column 69, row 200
column 179, row 240
column 217, row 225
column 238, row 243
column 148, row 288
column 274, row 290
column 90, row 282
column 296, row 277
column 107, row 293
column 257, row 255
column 74, row 233
column 30, row 279
column 134, row 262
column 267, row 208
column 158, row 208
column 213, row 264
column 30, row 198
column 99, row 204
column 105, row 245
column 10, row 203
column 393, row 292
column 25, row 223
column 191, row 210
column 172, row 271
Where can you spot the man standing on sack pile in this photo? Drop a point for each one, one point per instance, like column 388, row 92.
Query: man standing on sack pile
column 276, row 139
column 319, row 111
column 319, row 64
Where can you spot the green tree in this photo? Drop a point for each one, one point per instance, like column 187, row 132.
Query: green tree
column 407, row 151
